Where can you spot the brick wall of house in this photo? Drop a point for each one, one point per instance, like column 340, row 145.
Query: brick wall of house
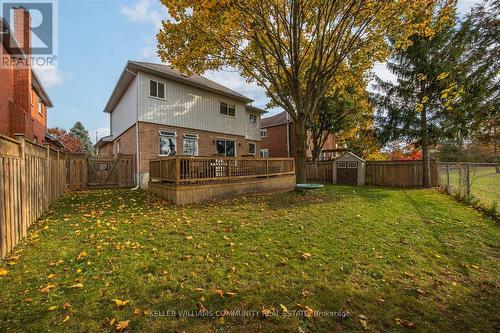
column 20, row 117
column 276, row 142
column 127, row 142
column 39, row 117
column 18, row 101
column 6, row 92
column 149, row 142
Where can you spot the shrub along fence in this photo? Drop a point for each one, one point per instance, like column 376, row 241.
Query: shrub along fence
column 31, row 178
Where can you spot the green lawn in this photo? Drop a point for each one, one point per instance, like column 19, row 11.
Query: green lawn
column 391, row 259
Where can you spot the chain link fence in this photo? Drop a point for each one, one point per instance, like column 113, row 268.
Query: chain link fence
column 476, row 183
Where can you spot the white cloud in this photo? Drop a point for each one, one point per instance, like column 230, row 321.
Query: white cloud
column 145, row 11
column 50, row 76
column 148, row 53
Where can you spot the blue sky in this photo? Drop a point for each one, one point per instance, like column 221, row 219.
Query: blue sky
column 96, row 38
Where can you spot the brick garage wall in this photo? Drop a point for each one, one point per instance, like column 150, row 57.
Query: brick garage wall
column 127, row 142
column 149, row 145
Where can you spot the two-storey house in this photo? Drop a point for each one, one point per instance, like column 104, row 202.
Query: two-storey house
column 157, row 111
column 23, row 100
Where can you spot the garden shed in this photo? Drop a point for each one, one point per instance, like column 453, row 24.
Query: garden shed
column 349, row 169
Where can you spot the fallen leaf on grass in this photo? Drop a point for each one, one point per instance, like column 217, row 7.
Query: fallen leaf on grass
column 137, row 312
column 47, row 288
column 119, row 302
column 405, row 323
column 66, row 305
column 305, row 256
column 66, row 318
column 265, row 312
column 3, row 272
column 285, row 310
column 201, row 307
column 363, row 321
column 51, row 276
column 77, row 286
column 82, row 254
column 189, row 237
column 122, row 325
column 52, row 308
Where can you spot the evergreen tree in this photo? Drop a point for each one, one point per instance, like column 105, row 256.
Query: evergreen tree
column 79, row 131
column 414, row 109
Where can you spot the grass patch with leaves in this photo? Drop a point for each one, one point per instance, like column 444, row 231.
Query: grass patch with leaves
column 122, row 260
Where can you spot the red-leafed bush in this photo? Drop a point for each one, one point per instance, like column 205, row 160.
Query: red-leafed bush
column 71, row 143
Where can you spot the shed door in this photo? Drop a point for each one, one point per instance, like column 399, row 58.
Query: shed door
column 347, row 173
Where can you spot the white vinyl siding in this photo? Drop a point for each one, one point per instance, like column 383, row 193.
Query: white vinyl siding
column 189, row 107
column 125, row 113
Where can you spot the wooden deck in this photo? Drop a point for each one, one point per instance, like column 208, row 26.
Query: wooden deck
column 188, row 179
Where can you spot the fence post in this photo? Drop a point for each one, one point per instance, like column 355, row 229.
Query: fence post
column 229, row 168
column 22, row 155
column 467, row 180
column 47, row 175
column 177, row 170
column 447, row 178
column 267, row 167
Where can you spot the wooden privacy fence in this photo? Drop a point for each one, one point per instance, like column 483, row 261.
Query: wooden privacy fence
column 31, row 178
column 84, row 172
column 189, row 169
column 381, row 173
column 399, row 173
column 320, row 171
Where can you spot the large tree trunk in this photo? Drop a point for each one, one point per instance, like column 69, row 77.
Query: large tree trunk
column 426, row 181
column 301, row 146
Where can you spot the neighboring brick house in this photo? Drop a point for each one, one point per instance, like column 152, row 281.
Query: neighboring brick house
column 176, row 114
column 23, row 100
column 278, row 139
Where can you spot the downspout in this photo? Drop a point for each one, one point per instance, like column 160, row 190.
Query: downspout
column 287, row 135
column 137, row 159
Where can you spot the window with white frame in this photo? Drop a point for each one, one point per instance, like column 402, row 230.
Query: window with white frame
column 253, row 119
column 40, row 106
column 156, row 89
column 227, row 109
column 190, row 144
column 264, row 153
column 341, row 165
column 263, row 133
column 251, row 148
column 352, row 165
column 167, row 143
column 226, row 147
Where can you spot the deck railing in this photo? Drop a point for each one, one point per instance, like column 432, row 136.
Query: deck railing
column 195, row 169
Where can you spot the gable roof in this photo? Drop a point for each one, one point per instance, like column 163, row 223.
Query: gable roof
column 169, row 73
column 278, row 119
column 348, row 153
